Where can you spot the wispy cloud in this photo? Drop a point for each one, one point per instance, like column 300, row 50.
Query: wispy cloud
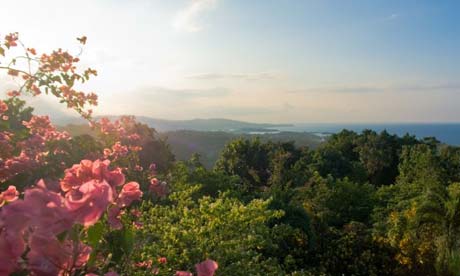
column 342, row 89
column 238, row 76
column 230, row 111
column 188, row 18
column 450, row 87
column 180, row 94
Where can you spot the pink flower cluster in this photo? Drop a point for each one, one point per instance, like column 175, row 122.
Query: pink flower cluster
column 107, row 127
column 117, row 151
column 91, row 187
column 75, row 98
column 33, row 148
column 41, row 126
column 157, row 187
column 11, row 40
column 41, row 223
column 122, row 129
column 120, row 136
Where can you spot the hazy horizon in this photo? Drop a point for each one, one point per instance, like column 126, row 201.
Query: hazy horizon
column 258, row 61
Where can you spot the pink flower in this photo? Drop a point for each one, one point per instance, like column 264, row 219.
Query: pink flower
column 11, row 248
column 3, row 107
column 159, row 188
column 89, row 202
column 13, row 93
column 136, row 213
column 101, row 171
column 138, row 224
column 129, row 193
column 119, row 150
column 11, row 194
column 162, row 260
column 88, row 170
column 40, row 210
column 206, row 268
column 145, row 264
column 115, row 177
column 107, row 153
column 49, row 256
column 134, row 137
column 77, row 175
column 11, row 40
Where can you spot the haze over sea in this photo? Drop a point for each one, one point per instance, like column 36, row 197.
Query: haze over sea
column 448, row 133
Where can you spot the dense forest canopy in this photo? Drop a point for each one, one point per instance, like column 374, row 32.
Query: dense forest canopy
column 358, row 204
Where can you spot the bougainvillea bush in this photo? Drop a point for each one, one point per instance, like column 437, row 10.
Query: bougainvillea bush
column 69, row 206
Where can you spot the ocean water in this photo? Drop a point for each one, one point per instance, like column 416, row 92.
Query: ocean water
column 448, row 133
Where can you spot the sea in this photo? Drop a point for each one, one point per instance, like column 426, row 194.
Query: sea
column 448, row 133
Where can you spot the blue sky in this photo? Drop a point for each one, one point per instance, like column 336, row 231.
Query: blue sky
column 259, row 60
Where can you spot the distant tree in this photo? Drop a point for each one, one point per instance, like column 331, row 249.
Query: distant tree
column 249, row 159
column 337, row 202
column 378, row 153
column 192, row 172
column 450, row 162
column 366, row 157
column 328, row 160
column 420, row 163
column 431, row 141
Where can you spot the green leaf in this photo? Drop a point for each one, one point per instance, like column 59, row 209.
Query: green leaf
column 128, row 240
column 95, row 234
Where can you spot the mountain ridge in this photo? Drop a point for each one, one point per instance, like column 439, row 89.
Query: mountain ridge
column 199, row 124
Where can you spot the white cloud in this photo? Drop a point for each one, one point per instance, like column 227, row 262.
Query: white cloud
column 187, row 19
column 240, row 76
column 359, row 89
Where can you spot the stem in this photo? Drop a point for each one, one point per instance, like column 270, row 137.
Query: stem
column 10, row 68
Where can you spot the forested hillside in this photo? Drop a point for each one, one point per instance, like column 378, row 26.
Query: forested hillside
column 358, row 204
column 209, row 144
